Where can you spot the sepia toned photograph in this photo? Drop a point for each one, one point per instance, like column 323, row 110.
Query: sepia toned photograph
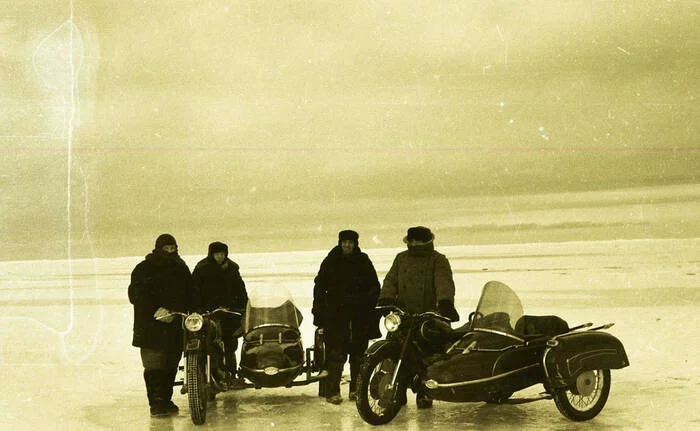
column 373, row 214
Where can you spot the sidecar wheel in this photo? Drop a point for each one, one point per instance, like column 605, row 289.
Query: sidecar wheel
column 587, row 398
column 375, row 401
column 196, row 387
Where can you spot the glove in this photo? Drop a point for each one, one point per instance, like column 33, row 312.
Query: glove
column 163, row 315
column 447, row 308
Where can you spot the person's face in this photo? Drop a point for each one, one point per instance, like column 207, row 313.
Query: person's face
column 348, row 246
column 415, row 242
column 219, row 257
column 170, row 249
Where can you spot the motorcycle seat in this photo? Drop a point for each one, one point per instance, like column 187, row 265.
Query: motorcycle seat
column 537, row 326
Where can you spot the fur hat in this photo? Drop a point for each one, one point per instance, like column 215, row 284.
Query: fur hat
column 419, row 233
column 348, row 235
column 218, row 247
column 165, row 239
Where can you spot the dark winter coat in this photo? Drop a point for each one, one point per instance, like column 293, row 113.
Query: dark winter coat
column 419, row 278
column 161, row 280
column 345, row 294
column 219, row 286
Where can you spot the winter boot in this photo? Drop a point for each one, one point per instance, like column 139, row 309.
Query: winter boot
column 332, row 382
column 335, row 399
column 160, row 409
column 150, row 377
column 159, row 386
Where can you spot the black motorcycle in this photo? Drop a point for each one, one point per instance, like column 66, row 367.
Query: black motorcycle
column 203, row 343
column 498, row 352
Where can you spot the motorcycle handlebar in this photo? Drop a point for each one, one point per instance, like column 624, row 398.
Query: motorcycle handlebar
column 225, row 310
column 171, row 314
column 400, row 311
column 180, row 313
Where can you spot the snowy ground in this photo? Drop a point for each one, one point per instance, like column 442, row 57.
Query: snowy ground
column 66, row 360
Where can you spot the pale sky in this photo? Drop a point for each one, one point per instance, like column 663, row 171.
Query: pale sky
column 251, row 120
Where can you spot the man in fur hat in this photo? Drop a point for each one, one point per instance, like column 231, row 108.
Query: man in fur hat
column 218, row 283
column 345, row 293
column 420, row 280
column 160, row 284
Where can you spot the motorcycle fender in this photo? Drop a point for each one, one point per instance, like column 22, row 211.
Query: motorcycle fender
column 192, row 344
column 569, row 355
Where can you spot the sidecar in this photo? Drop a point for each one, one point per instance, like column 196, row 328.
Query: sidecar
column 501, row 350
column 273, row 354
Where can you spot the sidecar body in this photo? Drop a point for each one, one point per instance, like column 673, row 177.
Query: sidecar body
column 272, row 354
column 503, row 351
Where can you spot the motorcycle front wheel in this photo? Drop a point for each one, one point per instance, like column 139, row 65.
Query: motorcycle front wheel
column 586, row 398
column 197, row 386
column 376, row 402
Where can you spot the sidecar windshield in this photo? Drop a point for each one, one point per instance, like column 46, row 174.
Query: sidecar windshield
column 499, row 308
column 271, row 305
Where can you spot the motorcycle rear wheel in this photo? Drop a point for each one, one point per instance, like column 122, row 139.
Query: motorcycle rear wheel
column 579, row 406
column 376, row 402
column 197, row 387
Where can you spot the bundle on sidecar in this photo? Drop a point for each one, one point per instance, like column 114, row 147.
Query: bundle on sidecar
column 272, row 354
column 500, row 351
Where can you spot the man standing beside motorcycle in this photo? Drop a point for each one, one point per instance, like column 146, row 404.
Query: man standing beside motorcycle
column 420, row 280
column 345, row 293
column 218, row 283
column 160, row 284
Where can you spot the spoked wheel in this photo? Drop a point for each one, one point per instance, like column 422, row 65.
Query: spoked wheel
column 376, row 401
column 585, row 399
column 197, row 387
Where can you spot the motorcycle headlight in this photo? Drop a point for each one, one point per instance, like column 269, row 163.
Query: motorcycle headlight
column 194, row 322
column 392, row 322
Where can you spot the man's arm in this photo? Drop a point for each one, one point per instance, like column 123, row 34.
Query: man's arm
column 390, row 288
column 319, row 307
column 445, row 288
column 371, row 283
column 140, row 285
column 444, row 283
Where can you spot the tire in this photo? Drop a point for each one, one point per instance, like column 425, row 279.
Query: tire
column 197, row 387
column 583, row 407
column 375, row 402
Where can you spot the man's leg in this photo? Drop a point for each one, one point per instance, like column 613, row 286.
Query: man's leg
column 335, row 360
column 158, row 376
column 230, row 347
column 357, row 350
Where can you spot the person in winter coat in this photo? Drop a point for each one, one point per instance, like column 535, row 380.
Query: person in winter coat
column 160, row 284
column 218, row 283
column 420, row 280
column 345, row 294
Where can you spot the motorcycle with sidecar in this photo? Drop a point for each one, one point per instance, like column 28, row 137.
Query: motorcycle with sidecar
column 497, row 352
column 272, row 354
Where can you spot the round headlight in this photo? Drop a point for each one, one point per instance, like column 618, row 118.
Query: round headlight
column 194, row 322
column 392, row 322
